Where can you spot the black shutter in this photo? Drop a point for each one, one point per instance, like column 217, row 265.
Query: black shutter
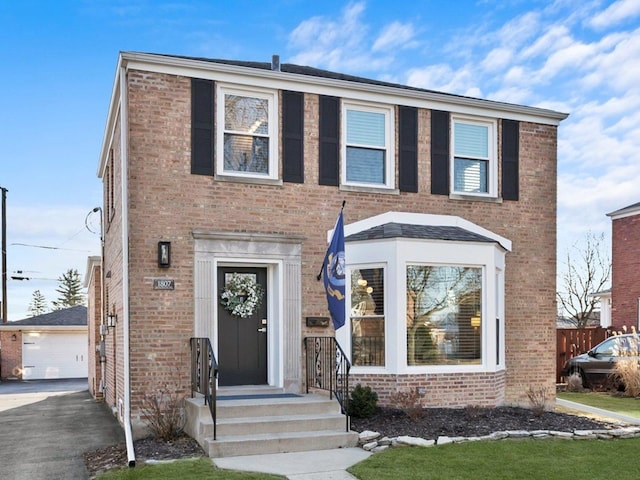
column 292, row 137
column 510, row 159
column 202, row 134
column 408, row 156
column 439, row 152
column 329, row 141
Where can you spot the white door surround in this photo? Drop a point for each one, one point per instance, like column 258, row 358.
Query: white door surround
column 282, row 256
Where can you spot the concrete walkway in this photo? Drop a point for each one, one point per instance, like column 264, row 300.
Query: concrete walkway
column 314, row 465
column 598, row 411
column 46, row 426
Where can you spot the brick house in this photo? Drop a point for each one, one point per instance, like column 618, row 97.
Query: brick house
column 625, row 272
column 213, row 168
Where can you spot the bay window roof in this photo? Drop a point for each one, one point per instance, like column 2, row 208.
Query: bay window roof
column 424, row 232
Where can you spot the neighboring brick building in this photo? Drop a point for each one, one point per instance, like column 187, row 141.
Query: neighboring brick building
column 242, row 167
column 625, row 273
column 96, row 326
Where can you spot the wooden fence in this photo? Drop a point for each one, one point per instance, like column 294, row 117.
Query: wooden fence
column 575, row 341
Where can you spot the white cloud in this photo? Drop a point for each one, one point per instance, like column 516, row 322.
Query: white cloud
column 519, row 30
column 497, row 59
column 337, row 45
column 443, row 78
column 512, row 95
column 616, row 13
column 556, row 36
column 617, row 65
column 395, row 35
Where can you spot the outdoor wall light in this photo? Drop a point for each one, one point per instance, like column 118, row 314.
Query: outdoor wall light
column 164, row 254
column 112, row 319
column 14, row 337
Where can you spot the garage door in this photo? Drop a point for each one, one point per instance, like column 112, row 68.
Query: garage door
column 54, row 355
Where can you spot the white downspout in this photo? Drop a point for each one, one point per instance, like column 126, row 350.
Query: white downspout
column 131, row 455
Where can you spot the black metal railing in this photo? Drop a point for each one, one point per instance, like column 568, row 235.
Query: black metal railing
column 328, row 369
column 204, row 372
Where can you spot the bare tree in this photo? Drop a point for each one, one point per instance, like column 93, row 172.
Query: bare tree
column 588, row 271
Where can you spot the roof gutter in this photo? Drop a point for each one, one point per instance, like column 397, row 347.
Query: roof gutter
column 124, row 142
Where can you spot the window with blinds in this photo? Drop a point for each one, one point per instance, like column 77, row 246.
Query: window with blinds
column 444, row 315
column 474, row 161
column 367, row 146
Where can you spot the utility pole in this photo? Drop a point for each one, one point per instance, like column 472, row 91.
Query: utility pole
column 4, row 254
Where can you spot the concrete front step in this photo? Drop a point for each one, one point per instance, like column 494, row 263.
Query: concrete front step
column 276, row 424
column 268, row 424
column 260, row 444
column 269, row 407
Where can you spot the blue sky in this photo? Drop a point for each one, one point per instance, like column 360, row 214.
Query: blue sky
column 59, row 58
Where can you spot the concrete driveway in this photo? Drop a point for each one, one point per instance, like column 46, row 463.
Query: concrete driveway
column 46, row 426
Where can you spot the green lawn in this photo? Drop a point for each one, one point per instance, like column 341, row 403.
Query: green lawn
column 624, row 405
column 505, row 460
column 183, row 470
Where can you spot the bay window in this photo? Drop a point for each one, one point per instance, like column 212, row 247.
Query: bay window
column 425, row 295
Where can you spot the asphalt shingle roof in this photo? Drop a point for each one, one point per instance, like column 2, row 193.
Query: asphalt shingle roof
column 425, row 232
column 68, row 316
column 317, row 72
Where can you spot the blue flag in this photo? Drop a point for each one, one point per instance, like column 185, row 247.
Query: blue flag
column 334, row 274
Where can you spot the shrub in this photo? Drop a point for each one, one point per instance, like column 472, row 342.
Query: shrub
column 538, row 400
column 473, row 412
column 163, row 412
column 362, row 402
column 627, row 373
column 409, row 402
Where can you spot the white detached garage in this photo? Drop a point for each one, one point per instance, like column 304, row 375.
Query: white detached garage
column 54, row 345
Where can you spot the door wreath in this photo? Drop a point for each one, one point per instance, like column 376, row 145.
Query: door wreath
column 241, row 295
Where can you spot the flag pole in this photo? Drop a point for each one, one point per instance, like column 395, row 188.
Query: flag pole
column 319, row 276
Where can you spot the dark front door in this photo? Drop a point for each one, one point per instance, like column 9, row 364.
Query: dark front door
column 242, row 338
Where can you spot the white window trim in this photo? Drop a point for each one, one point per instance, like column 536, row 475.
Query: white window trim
column 390, row 158
column 492, row 167
column 272, row 98
column 344, row 336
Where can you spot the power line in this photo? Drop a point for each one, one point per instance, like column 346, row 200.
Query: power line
column 49, row 248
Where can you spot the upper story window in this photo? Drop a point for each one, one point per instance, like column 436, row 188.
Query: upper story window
column 367, row 147
column 475, row 167
column 247, row 140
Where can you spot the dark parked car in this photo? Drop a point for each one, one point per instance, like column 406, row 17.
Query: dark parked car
column 596, row 367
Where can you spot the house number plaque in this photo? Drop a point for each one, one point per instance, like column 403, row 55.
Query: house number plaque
column 164, row 284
